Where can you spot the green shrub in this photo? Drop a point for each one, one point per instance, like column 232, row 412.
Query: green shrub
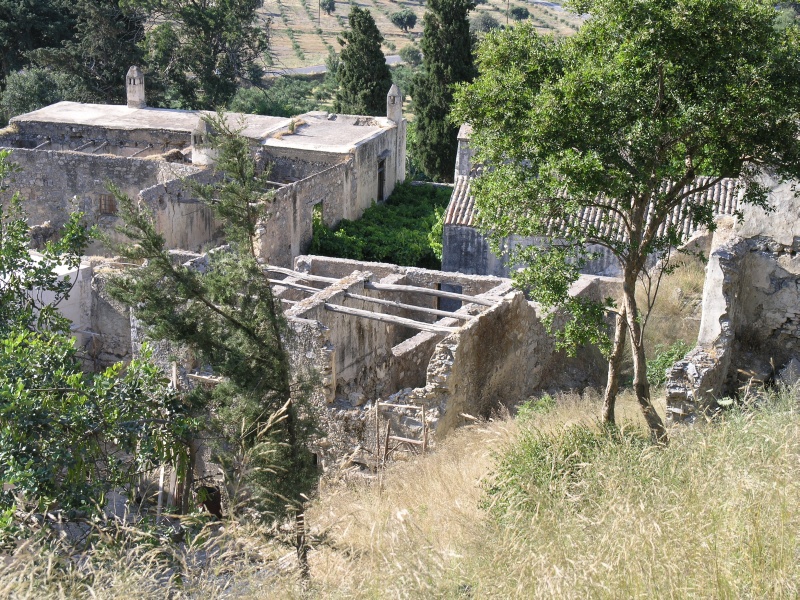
column 282, row 97
column 535, row 406
column 398, row 231
column 665, row 357
column 543, row 469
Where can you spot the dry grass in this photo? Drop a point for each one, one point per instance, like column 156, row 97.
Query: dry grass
column 676, row 313
column 711, row 516
column 714, row 515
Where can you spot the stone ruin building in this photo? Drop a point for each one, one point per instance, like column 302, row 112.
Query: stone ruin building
column 404, row 355
column 69, row 152
column 750, row 327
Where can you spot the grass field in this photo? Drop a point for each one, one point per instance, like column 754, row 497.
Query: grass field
column 301, row 34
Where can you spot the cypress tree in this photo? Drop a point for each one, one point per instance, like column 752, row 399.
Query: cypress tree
column 447, row 59
column 363, row 76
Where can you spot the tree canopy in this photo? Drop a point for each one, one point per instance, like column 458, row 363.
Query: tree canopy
column 66, row 437
column 362, row 74
column 404, row 19
column 621, row 118
column 200, row 50
column 447, row 60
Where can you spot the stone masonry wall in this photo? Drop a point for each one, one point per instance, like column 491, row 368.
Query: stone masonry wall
column 119, row 142
column 287, row 232
column 751, row 319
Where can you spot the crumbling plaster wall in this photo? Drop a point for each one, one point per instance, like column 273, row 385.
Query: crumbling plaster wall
column 287, row 231
column 55, row 184
column 491, row 361
column 361, row 347
column 184, row 221
column 751, row 306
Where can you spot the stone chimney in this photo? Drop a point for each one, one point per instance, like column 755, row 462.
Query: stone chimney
column 134, row 84
column 202, row 152
column 394, row 104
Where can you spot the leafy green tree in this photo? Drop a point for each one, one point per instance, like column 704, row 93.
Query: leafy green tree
column 447, row 60
column 226, row 314
column 363, row 76
column 519, row 13
column 404, row 19
column 106, row 42
column 200, row 50
column 621, row 119
column 329, row 6
column 28, row 25
column 483, row 22
column 35, row 88
column 66, row 437
column 282, row 97
column 411, row 55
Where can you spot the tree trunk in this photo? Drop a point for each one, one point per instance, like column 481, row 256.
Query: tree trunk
column 614, row 362
column 640, row 383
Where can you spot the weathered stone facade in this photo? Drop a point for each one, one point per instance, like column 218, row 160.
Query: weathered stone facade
column 750, row 325
column 70, row 152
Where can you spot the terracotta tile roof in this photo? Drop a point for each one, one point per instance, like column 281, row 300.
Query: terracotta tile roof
column 723, row 196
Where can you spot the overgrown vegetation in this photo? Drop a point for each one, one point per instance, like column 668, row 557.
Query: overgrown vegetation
column 405, row 230
column 226, row 315
column 67, row 438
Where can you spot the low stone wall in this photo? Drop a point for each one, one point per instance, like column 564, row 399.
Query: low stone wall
column 494, row 360
column 185, row 222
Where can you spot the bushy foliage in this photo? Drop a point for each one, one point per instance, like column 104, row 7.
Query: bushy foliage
column 411, row 55
column 328, row 6
column 543, row 468
column 665, row 357
column 281, row 97
column 34, row 88
column 519, row 13
column 398, row 231
column 66, row 437
column 404, row 19
column 483, row 22
column 197, row 53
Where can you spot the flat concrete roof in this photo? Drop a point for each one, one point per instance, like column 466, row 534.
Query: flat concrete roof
column 112, row 116
column 325, row 132
column 320, row 131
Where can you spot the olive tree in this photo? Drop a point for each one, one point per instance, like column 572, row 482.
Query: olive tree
column 623, row 118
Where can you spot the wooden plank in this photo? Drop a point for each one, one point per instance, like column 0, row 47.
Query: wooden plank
column 393, row 287
column 204, row 378
column 406, row 440
column 394, row 303
column 346, row 310
column 390, row 405
column 386, row 444
column 296, row 286
column 424, row 431
column 300, row 275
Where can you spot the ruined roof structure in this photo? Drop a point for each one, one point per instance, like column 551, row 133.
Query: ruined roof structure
column 466, row 250
column 69, row 151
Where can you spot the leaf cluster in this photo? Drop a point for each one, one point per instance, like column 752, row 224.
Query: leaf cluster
column 401, row 231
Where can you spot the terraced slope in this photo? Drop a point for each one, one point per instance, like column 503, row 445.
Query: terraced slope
column 302, row 34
